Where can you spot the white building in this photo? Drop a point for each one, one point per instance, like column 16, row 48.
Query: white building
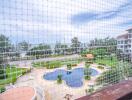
column 124, row 42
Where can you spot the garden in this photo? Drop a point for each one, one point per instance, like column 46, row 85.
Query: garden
column 10, row 75
column 57, row 63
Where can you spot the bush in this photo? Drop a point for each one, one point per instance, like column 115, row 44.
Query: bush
column 87, row 73
column 87, row 77
column 87, row 65
column 3, row 74
column 2, row 89
column 14, row 80
column 23, row 72
column 91, row 90
column 48, row 64
column 89, row 62
column 102, row 64
column 59, row 79
column 69, row 66
column 74, row 64
column 53, row 64
column 100, row 67
column 110, row 77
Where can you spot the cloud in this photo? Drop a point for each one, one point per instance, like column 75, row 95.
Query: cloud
column 60, row 20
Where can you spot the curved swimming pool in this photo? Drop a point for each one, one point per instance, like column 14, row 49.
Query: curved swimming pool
column 72, row 79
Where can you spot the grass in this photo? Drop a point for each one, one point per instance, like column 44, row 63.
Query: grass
column 12, row 75
column 56, row 64
column 108, row 61
column 48, row 64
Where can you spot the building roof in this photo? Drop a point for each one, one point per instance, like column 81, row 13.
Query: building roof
column 129, row 29
column 89, row 56
column 19, row 93
column 123, row 36
column 114, row 92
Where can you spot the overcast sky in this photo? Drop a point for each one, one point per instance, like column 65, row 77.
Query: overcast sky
column 49, row 21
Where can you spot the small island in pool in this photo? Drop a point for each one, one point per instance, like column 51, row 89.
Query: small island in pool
column 74, row 78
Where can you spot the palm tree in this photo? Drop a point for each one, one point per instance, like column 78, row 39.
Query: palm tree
column 87, row 72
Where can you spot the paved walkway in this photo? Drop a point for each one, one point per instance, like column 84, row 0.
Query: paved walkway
column 52, row 89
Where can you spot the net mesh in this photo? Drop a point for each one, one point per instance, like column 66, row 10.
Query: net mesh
column 64, row 48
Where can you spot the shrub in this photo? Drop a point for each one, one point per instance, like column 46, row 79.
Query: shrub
column 110, row 77
column 89, row 62
column 87, row 73
column 14, row 80
column 91, row 89
column 23, row 72
column 2, row 89
column 102, row 64
column 87, row 77
column 87, row 65
column 3, row 74
column 100, row 67
column 59, row 79
column 69, row 66
column 48, row 64
column 53, row 64
column 74, row 64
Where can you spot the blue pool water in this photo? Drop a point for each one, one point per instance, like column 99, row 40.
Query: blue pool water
column 72, row 79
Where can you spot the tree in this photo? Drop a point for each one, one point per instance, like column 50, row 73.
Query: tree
column 103, row 42
column 100, row 51
column 40, row 50
column 108, row 43
column 24, row 46
column 5, row 44
column 84, row 52
column 60, row 48
column 76, row 45
column 87, row 72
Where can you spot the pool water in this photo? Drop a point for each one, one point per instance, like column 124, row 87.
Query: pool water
column 73, row 78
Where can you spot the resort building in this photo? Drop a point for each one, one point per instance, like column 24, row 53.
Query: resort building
column 124, row 42
column 64, row 50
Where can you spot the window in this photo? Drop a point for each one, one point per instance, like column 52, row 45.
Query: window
column 121, row 46
column 130, row 36
column 122, row 42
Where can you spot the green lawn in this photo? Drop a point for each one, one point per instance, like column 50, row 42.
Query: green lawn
column 56, row 64
column 72, row 61
column 48, row 64
column 12, row 74
column 107, row 61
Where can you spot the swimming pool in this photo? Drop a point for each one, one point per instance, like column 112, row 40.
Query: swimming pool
column 73, row 78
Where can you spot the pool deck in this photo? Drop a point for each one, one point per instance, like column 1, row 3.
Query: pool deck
column 56, row 91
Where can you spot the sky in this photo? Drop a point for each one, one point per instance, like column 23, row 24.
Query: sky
column 51, row 21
